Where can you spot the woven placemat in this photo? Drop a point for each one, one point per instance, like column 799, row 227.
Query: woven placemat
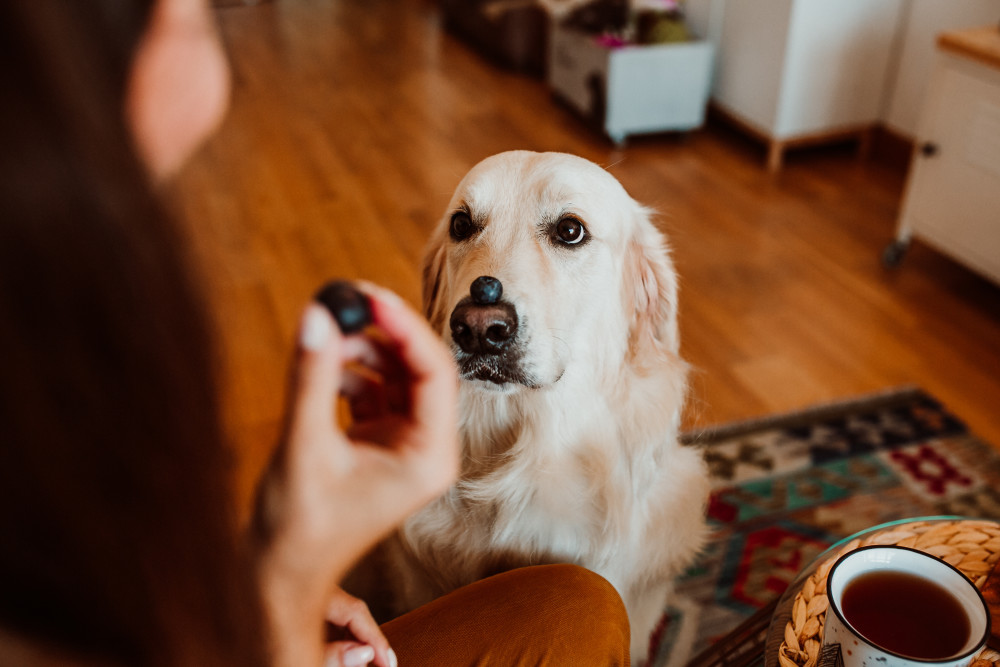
column 971, row 546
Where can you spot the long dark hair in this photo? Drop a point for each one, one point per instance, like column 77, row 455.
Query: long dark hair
column 115, row 523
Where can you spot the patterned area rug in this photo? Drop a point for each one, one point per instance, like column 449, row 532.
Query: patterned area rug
column 788, row 487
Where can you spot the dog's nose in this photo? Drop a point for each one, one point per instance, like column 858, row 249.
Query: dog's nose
column 486, row 290
column 483, row 329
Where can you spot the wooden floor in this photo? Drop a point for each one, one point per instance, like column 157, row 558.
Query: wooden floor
column 353, row 120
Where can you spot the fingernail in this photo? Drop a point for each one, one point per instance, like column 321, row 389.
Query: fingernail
column 393, row 661
column 316, row 327
column 358, row 657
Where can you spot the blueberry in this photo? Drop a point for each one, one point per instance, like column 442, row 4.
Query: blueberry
column 348, row 306
column 486, row 290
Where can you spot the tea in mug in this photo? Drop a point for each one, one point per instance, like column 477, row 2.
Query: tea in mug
column 906, row 614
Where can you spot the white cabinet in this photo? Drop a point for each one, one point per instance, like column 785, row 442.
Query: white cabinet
column 952, row 197
column 795, row 72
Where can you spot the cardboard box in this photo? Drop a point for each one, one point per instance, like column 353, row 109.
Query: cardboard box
column 631, row 89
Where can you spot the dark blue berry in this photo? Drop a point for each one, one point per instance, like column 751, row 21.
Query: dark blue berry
column 486, row 290
column 349, row 307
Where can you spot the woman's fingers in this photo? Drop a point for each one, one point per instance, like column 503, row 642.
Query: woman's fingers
column 372, row 352
column 354, row 654
column 375, row 382
column 419, row 348
column 362, row 368
column 430, row 369
column 348, row 654
column 318, row 371
column 365, row 398
column 347, row 611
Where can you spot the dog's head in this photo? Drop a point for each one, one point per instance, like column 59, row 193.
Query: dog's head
column 543, row 266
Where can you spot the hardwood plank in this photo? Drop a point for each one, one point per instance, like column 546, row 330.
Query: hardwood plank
column 353, row 121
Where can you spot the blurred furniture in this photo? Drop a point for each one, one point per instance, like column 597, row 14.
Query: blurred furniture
column 801, row 72
column 952, row 196
column 631, row 89
column 512, row 34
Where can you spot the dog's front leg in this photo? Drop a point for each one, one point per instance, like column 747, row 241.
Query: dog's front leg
column 645, row 608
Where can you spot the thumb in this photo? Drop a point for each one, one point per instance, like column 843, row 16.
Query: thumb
column 317, row 372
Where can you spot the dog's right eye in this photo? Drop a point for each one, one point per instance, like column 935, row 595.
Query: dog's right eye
column 570, row 231
column 462, row 226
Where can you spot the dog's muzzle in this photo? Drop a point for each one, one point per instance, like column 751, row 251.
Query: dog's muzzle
column 485, row 330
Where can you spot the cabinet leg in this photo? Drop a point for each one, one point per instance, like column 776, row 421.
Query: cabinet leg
column 865, row 140
column 775, row 155
column 618, row 139
column 893, row 253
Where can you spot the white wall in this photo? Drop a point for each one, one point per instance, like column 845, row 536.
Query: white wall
column 924, row 20
column 705, row 17
column 909, row 65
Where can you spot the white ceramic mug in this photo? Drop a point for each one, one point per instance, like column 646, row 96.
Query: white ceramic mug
column 857, row 651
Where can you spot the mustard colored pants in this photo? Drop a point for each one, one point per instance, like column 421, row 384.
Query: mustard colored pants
column 543, row 615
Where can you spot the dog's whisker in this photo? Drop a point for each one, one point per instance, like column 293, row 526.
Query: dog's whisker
column 614, row 164
column 565, row 346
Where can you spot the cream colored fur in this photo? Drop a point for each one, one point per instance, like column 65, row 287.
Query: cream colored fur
column 584, row 465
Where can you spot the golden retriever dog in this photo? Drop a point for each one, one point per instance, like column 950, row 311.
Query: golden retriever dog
column 558, row 298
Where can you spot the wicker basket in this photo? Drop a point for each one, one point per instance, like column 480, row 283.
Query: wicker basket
column 971, row 546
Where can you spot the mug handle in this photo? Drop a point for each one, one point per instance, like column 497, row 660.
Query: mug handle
column 830, row 656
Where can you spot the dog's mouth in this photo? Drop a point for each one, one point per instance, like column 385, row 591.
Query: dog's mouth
column 495, row 369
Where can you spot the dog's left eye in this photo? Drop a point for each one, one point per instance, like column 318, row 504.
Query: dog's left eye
column 570, row 231
column 461, row 226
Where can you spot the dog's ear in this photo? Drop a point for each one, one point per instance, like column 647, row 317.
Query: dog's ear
column 434, row 280
column 650, row 289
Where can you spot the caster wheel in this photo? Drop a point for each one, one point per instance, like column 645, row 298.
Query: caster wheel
column 893, row 254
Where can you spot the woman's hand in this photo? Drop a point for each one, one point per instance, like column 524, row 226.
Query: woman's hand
column 366, row 643
column 340, row 482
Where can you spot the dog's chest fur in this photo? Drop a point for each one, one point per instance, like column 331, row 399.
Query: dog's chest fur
column 539, row 484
